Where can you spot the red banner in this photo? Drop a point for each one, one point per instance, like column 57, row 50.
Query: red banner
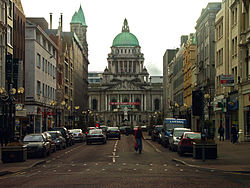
column 124, row 103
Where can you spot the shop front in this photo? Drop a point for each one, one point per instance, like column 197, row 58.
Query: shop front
column 233, row 111
column 246, row 107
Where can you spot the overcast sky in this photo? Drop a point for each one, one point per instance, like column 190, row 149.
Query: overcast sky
column 157, row 24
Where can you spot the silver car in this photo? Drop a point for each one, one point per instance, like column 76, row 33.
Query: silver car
column 175, row 137
column 78, row 135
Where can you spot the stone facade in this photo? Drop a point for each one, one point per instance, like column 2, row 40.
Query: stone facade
column 125, row 94
column 3, row 30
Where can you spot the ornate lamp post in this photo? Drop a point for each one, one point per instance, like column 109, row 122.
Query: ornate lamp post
column 74, row 114
column 7, row 104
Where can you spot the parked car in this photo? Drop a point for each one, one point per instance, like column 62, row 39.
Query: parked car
column 89, row 128
column 175, row 137
column 144, row 128
column 113, row 132
column 52, row 142
column 150, row 130
column 186, row 143
column 77, row 134
column 95, row 135
column 164, row 137
column 58, row 138
column 37, row 144
column 155, row 133
column 65, row 134
column 104, row 128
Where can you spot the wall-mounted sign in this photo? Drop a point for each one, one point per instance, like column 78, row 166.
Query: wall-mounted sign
column 227, row 80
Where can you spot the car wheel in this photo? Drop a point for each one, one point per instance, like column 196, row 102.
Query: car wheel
column 170, row 148
column 119, row 138
column 180, row 152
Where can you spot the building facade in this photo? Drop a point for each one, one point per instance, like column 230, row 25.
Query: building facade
column 205, row 57
column 40, row 73
column 168, row 56
column 189, row 59
column 125, row 94
column 3, row 32
column 231, row 103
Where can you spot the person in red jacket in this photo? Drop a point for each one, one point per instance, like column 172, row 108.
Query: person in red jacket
column 138, row 139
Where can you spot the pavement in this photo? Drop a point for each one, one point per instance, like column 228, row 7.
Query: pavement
column 11, row 168
column 231, row 157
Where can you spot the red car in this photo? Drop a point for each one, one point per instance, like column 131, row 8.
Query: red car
column 186, row 143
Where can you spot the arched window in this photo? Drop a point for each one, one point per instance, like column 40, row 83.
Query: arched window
column 94, row 104
column 157, row 104
column 138, row 106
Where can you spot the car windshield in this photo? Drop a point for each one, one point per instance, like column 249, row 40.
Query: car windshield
column 193, row 135
column 95, row 131
column 112, row 129
column 53, row 134
column 75, row 131
column 178, row 133
column 33, row 138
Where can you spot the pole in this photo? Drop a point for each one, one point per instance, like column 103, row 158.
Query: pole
column 203, row 135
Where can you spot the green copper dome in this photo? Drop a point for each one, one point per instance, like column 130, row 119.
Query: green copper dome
column 125, row 38
column 78, row 17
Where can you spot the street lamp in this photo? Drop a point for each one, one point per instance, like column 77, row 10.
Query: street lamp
column 74, row 113
column 7, row 99
column 53, row 105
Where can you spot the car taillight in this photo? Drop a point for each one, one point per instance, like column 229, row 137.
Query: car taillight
column 80, row 134
column 86, row 132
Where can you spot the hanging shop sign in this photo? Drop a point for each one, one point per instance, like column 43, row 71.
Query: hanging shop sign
column 227, row 80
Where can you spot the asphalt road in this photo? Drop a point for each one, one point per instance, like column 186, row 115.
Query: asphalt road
column 116, row 164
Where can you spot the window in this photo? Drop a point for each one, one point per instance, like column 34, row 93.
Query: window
column 46, row 91
column 157, row 104
column 9, row 36
column 94, row 104
column 46, row 66
column 113, row 106
column 138, row 105
column 10, row 8
column 43, row 90
column 38, row 60
column 38, row 87
column 43, row 63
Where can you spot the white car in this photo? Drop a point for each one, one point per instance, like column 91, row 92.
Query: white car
column 175, row 137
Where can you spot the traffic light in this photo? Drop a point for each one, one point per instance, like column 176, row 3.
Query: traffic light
column 197, row 102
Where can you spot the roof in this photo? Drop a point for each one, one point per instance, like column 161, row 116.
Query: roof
column 125, row 38
column 79, row 17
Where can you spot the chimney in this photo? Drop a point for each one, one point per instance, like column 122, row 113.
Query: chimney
column 61, row 21
column 50, row 25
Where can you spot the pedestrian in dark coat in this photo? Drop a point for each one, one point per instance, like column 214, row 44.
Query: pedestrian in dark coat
column 221, row 132
column 138, row 138
column 234, row 134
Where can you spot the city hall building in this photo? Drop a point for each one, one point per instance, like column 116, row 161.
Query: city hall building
column 126, row 93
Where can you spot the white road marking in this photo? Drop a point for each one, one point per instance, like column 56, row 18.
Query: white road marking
column 134, row 169
column 103, row 169
column 165, row 165
column 150, row 169
column 109, row 163
column 87, row 169
column 165, row 169
column 85, row 164
column 58, row 166
column 54, row 170
column 181, row 170
column 177, row 165
column 137, row 164
column 124, row 164
column 96, row 164
column 151, row 164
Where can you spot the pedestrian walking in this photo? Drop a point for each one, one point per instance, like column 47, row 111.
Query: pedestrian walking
column 138, row 138
column 221, row 132
column 234, row 134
